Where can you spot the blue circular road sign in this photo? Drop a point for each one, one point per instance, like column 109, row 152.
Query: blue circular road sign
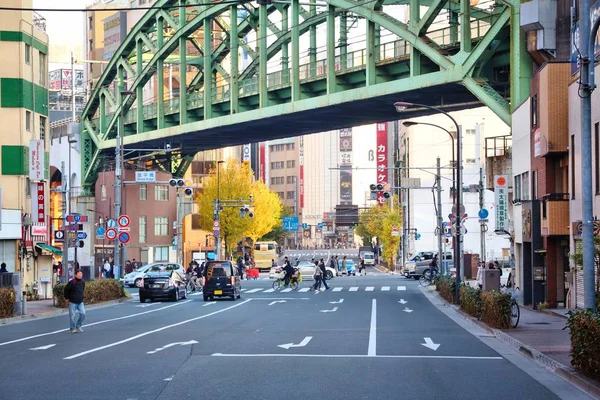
column 483, row 213
column 100, row 231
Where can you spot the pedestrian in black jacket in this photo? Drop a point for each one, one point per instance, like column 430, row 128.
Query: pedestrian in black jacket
column 74, row 295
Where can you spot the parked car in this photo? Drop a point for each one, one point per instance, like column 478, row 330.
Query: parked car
column 350, row 267
column 306, row 269
column 220, row 279
column 418, row 263
column 135, row 278
column 162, row 284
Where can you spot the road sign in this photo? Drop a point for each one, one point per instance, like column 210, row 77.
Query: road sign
column 124, row 221
column 483, row 213
column 100, row 231
column 111, row 223
column 145, row 176
column 216, row 224
column 290, row 224
column 59, row 236
column 216, row 232
column 81, row 235
column 77, row 218
column 320, row 225
column 395, row 231
column 305, row 226
column 111, row 233
column 124, row 237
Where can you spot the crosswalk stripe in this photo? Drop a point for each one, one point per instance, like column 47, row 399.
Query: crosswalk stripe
column 401, row 287
column 269, row 291
column 385, row 288
column 286, row 290
column 337, row 289
column 369, row 289
column 254, row 290
column 354, row 289
column 196, row 294
column 304, row 290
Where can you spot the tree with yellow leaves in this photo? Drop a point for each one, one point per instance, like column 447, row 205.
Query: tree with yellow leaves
column 267, row 211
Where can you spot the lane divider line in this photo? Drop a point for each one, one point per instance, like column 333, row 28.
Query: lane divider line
column 359, row 356
column 373, row 330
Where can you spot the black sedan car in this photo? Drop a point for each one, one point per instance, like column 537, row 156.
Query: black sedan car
column 162, row 284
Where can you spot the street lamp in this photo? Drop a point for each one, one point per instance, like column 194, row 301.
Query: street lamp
column 119, row 168
column 217, row 211
column 400, row 107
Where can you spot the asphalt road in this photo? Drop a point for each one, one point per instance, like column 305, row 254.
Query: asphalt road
column 369, row 337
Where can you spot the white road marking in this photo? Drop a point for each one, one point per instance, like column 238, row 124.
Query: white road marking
column 269, row 290
column 369, row 289
column 278, row 298
column 286, row 290
column 334, row 309
column 196, row 294
column 277, row 301
column 429, row 344
column 401, row 287
column 46, row 347
column 209, row 304
column 385, row 288
column 304, row 290
column 129, row 339
column 243, row 290
column 254, row 290
column 407, row 310
column 171, row 345
column 148, row 305
column 95, row 323
column 303, row 343
column 134, row 294
column 353, row 289
column 357, row 356
column 340, row 301
column 402, row 301
column 373, row 330
column 337, row 289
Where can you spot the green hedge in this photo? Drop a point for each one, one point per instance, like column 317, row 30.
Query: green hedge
column 470, row 300
column 8, row 298
column 446, row 286
column 584, row 327
column 96, row 291
column 495, row 309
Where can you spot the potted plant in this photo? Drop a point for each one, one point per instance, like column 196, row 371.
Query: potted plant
column 28, row 291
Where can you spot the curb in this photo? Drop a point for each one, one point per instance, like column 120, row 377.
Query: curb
column 58, row 311
column 567, row 373
column 557, row 314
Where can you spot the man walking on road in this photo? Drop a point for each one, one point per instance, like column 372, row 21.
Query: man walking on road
column 323, row 274
column 74, row 294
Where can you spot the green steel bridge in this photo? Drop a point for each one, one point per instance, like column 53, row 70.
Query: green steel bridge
column 359, row 57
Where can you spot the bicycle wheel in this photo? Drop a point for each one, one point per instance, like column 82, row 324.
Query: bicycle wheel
column 424, row 281
column 189, row 288
column 277, row 284
column 294, row 285
column 515, row 314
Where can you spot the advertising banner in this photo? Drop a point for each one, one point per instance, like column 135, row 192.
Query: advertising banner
column 262, row 169
column 501, row 193
column 381, row 158
column 36, row 160
column 38, row 203
column 346, row 166
column 346, row 185
column 301, row 170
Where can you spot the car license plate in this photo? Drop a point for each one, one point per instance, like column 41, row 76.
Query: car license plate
column 218, row 292
column 156, row 286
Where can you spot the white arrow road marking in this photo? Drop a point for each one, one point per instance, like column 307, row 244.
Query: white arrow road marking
column 46, row 347
column 332, row 310
column 402, row 301
column 340, row 301
column 209, row 304
column 408, row 310
column 171, row 345
column 429, row 344
column 278, row 301
column 303, row 343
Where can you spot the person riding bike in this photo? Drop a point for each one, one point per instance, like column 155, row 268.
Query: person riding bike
column 289, row 272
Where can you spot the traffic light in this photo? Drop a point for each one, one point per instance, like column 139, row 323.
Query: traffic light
column 179, row 183
column 245, row 211
column 380, row 190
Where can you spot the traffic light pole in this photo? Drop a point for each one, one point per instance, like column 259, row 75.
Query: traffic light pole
column 440, row 220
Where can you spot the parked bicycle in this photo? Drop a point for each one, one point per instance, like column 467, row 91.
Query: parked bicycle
column 428, row 276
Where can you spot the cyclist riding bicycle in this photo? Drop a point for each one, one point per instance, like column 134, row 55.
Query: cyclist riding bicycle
column 289, row 272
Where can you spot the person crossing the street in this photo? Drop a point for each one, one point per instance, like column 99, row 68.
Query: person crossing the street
column 323, row 274
column 317, row 273
column 74, row 292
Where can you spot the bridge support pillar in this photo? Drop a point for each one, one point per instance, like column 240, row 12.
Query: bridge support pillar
column 295, row 51
column 208, row 69
column 183, row 68
column 371, row 73
column 415, row 55
column 160, row 75
column 263, row 19
column 234, row 92
column 465, row 21
column 331, row 84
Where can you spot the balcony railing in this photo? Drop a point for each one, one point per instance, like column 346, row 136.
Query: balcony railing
column 555, row 214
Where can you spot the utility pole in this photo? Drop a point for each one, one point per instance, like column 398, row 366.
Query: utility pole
column 482, row 225
column 65, row 273
column 179, row 226
column 440, row 220
column 119, row 171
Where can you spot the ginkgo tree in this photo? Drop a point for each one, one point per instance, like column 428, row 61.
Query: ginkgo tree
column 377, row 222
column 233, row 185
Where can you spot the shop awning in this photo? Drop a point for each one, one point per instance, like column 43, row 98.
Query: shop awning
column 51, row 249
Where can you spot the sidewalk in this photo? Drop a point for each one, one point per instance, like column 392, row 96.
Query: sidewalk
column 541, row 337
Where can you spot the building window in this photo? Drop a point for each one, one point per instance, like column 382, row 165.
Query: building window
column 161, row 254
column 572, row 150
column 103, row 192
column 277, row 180
column 277, row 147
column 142, row 228
column 43, row 129
column 470, row 132
column 28, row 121
column 27, row 54
column 43, row 73
column 27, row 187
column 525, row 185
column 290, row 195
column 290, row 146
column 91, row 45
column 597, row 155
column 90, row 23
column 281, row 195
column 534, row 185
column 161, row 193
column 534, row 111
column 161, row 226
column 277, row 165
column 291, row 179
column 291, row 163
column 517, row 188
column 143, row 192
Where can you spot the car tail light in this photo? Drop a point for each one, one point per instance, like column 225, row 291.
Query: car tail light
column 232, row 280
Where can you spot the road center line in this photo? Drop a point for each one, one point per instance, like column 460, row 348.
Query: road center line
column 96, row 323
column 153, row 331
column 373, row 331
column 356, row 356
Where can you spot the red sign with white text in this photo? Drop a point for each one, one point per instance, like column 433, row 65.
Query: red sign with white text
column 39, row 214
column 382, row 171
column 301, row 171
column 261, row 168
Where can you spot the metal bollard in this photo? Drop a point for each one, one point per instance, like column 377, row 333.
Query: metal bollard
column 24, row 304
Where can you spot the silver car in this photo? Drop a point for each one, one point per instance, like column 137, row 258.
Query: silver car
column 134, row 279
